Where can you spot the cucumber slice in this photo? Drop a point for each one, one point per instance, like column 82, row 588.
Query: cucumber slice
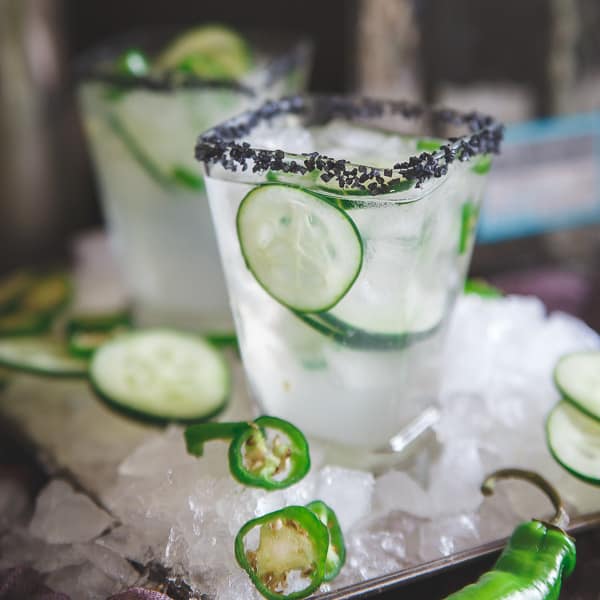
column 468, row 223
column 573, row 439
column 303, row 251
column 12, row 289
column 350, row 336
column 178, row 175
column 482, row 165
column 161, row 375
column 222, row 339
column 429, row 144
column 49, row 294
column 102, row 322
column 86, row 333
column 40, row 356
column 83, row 344
column 143, row 159
column 207, row 51
column 577, row 376
column 24, row 322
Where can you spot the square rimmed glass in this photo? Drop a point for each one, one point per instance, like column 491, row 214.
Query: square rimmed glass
column 345, row 227
column 141, row 133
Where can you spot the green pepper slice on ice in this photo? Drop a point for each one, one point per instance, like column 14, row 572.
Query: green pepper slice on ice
column 535, row 560
column 336, row 552
column 286, row 557
column 256, row 458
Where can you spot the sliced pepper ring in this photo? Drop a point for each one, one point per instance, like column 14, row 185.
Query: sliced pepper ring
column 336, row 552
column 252, row 462
column 254, row 459
column 291, row 540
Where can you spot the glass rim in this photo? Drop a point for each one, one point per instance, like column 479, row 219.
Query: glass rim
column 89, row 67
column 223, row 144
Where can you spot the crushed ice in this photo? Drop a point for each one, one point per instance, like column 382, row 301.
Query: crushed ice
column 184, row 513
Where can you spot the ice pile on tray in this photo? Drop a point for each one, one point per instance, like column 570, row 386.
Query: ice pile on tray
column 184, row 512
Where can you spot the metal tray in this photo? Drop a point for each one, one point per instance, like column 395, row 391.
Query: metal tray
column 471, row 562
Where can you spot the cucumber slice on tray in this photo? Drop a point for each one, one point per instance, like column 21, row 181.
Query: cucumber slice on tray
column 577, row 377
column 574, row 440
column 40, row 356
column 161, row 375
column 303, row 251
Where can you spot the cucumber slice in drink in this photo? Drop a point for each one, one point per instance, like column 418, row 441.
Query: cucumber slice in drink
column 177, row 175
column 573, row 439
column 40, row 356
column 577, row 376
column 371, row 330
column 161, row 375
column 468, row 223
column 482, row 164
column 207, row 51
column 303, row 251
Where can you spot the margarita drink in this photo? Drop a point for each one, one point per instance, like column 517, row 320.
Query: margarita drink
column 344, row 256
column 142, row 111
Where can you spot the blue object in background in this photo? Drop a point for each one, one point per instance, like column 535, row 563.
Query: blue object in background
column 547, row 178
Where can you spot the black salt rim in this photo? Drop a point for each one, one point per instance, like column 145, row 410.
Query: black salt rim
column 219, row 146
column 170, row 81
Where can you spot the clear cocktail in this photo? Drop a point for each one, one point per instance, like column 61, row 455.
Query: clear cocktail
column 345, row 227
column 143, row 103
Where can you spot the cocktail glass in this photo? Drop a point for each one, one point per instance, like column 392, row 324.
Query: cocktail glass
column 345, row 228
column 141, row 133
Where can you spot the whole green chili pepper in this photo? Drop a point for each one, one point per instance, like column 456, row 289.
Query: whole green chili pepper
column 290, row 550
column 255, row 459
column 538, row 554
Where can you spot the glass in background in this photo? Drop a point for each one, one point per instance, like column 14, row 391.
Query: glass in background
column 142, row 139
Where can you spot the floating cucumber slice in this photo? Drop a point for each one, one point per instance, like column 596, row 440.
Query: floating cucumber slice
column 577, row 376
column 179, row 175
column 135, row 149
column 161, row 375
column 429, row 144
column 303, row 251
column 574, row 440
column 482, row 164
column 40, row 356
column 352, row 337
column 468, row 223
column 207, row 51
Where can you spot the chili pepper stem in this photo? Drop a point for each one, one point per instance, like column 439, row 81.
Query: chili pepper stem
column 560, row 517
